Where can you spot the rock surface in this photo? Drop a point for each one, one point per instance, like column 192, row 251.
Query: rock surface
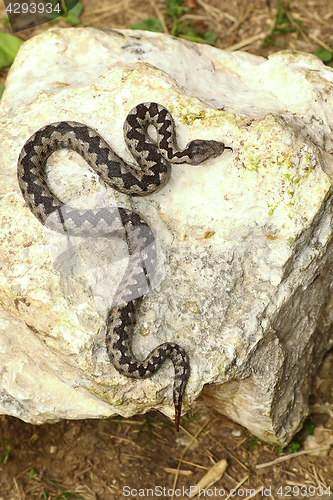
column 245, row 240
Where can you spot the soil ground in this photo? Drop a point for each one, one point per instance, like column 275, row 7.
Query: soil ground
column 143, row 457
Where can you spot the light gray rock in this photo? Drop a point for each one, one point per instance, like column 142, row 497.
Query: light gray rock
column 245, row 240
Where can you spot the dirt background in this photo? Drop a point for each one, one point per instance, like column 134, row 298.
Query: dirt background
column 97, row 459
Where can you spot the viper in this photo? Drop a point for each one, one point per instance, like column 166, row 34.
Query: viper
column 151, row 172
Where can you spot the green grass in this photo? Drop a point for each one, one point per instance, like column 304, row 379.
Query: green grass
column 147, row 426
column 60, row 495
column 325, row 55
column 299, row 438
column 9, row 47
column 189, row 30
column 190, row 417
column 252, row 442
column 295, row 444
column 283, row 23
column 5, row 450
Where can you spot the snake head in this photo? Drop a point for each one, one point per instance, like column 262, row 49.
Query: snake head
column 200, row 150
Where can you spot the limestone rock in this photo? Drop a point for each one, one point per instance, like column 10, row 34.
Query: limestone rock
column 245, row 240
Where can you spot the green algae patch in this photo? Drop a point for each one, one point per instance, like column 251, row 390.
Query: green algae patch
column 284, row 168
column 189, row 118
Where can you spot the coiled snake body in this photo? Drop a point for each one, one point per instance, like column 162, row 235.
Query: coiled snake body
column 154, row 159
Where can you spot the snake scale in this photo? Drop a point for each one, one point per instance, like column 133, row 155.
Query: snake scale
column 151, row 173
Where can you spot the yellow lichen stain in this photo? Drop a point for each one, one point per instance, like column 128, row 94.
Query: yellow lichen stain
column 192, row 306
column 271, row 237
column 30, row 310
column 144, row 331
column 189, row 118
column 207, row 235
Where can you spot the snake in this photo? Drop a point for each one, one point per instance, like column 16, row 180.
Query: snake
column 150, row 173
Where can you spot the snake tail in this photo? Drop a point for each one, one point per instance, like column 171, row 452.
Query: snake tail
column 120, row 324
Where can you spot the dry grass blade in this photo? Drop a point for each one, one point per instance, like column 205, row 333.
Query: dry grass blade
column 212, row 476
column 295, row 483
column 159, row 16
column 323, row 482
column 109, row 8
column 243, row 16
column 246, row 42
column 318, row 482
column 214, row 12
column 122, row 439
column 323, row 44
column 229, row 452
column 292, row 455
column 17, row 489
column 193, row 464
column 238, row 485
column 179, row 472
column 313, row 15
column 107, row 12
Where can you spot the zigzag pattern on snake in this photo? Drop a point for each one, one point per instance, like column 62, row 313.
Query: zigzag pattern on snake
column 151, row 173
